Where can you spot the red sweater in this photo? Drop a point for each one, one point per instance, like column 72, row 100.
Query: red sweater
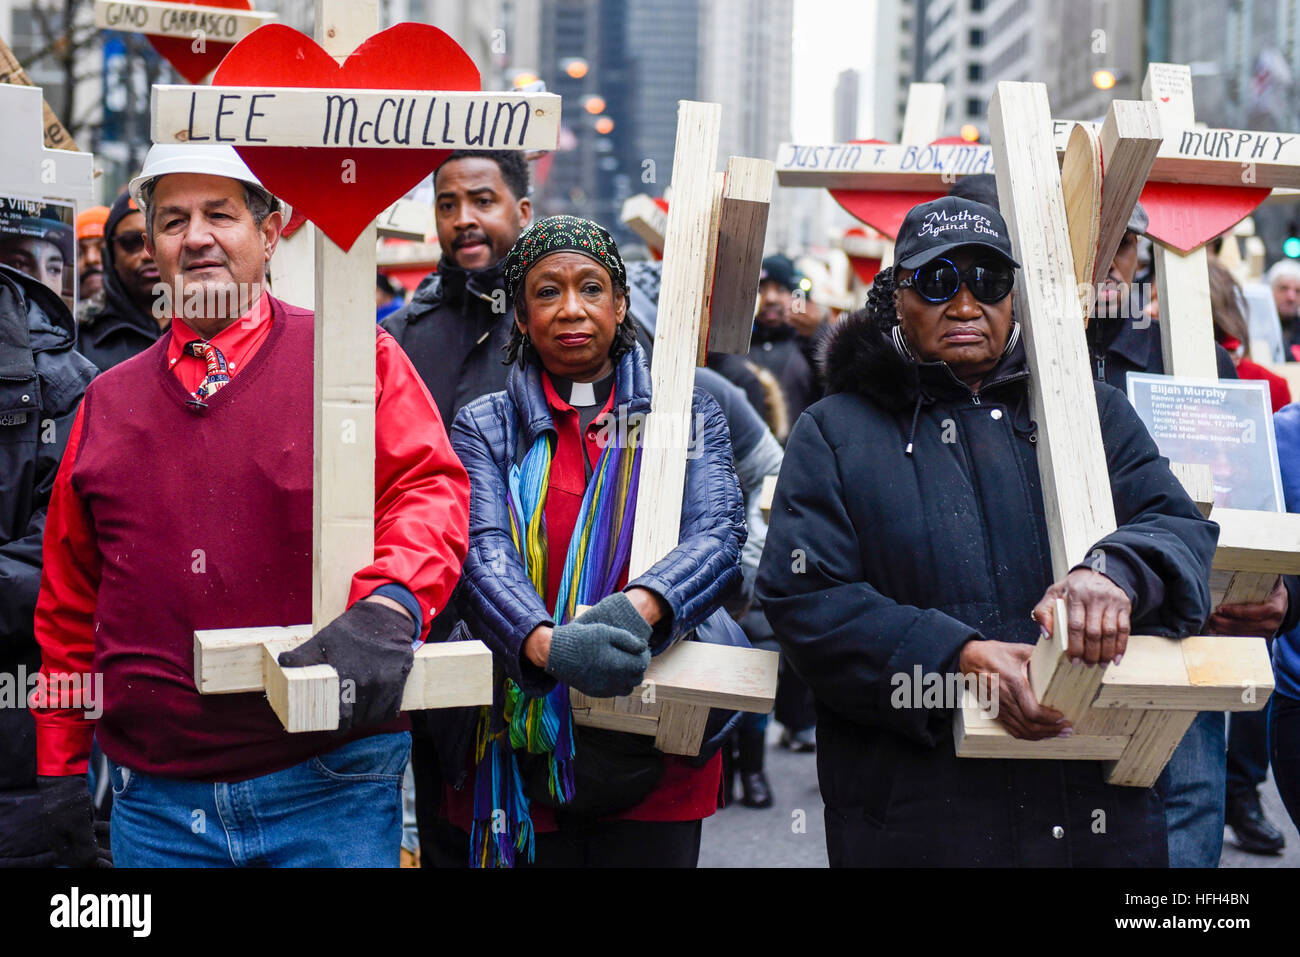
column 684, row 793
column 163, row 521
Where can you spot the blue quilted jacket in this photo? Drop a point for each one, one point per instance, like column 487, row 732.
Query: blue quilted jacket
column 495, row 597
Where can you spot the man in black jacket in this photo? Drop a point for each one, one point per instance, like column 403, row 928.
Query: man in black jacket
column 454, row 330
column 459, row 319
column 42, row 379
column 123, row 323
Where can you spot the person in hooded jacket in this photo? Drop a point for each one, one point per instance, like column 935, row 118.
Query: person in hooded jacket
column 42, row 378
column 121, row 322
column 913, row 536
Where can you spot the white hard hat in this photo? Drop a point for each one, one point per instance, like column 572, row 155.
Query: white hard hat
column 214, row 159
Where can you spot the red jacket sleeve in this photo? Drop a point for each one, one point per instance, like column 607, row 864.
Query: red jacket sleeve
column 421, row 490
column 65, row 631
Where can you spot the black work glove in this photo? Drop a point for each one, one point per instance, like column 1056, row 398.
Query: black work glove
column 66, row 813
column 369, row 645
column 605, row 652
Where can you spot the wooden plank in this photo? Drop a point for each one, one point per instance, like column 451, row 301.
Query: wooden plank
column 742, row 228
column 667, row 428
column 923, row 115
column 1081, row 186
column 1071, row 460
column 355, row 119
column 1056, row 682
column 766, row 495
column 719, row 676
column 407, row 219
column 452, row 674
column 1198, row 673
column 55, row 134
column 408, row 255
column 1243, row 664
column 1198, row 481
column 293, row 267
column 681, row 728
column 1246, row 588
column 188, row 21
column 710, row 269
column 1187, row 323
column 1150, row 748
column 304, row 699
column 643, row 216
column 628, row 714
column 343, row 488
column 1258, row 541
column 976, row 735
column 229, row 661
column 1130, row 137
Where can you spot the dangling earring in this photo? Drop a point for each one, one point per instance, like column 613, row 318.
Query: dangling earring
column 900, row 343
column 1013, row 338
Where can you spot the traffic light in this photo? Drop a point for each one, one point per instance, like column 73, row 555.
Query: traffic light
column 1291, row 245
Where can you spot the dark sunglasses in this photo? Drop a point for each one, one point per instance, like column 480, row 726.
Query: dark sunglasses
column 940, row 279
column 130, row 243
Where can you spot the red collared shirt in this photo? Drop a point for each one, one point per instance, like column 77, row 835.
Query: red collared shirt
column 421, row 523
column 238, row 342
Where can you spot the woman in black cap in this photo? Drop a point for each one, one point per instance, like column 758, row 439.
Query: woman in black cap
column 554, row 464
column 910, row 544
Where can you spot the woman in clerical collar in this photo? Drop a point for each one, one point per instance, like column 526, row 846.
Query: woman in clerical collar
column 554, row 465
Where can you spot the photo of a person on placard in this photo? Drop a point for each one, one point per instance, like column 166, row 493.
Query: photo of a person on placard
column 36, row 238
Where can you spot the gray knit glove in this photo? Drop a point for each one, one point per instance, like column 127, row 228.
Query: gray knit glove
column 605, row 652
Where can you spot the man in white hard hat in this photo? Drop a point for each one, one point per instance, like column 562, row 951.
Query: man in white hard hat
column 184, row 502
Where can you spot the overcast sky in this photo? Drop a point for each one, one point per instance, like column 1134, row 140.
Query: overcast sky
column 829, row 36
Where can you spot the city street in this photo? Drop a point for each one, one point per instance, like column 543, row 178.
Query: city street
column 744, row 837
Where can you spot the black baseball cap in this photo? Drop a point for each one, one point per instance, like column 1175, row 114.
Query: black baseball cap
column 932, row 229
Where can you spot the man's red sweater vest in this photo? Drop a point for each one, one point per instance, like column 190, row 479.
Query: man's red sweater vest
column 204, row 520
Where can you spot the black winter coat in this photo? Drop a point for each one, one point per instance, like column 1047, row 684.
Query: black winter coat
column 116, row 328
column 454, row 331
column 878, row 560
column 42, row 379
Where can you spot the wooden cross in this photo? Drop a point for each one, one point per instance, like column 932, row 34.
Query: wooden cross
column 701, row 307
column 1130, row 715
column 647, row 219
column 11, row 71
column 35, row 173
column 242, row 660
column 1254, row 549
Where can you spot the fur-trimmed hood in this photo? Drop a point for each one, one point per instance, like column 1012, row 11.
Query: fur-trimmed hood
column 860, row 357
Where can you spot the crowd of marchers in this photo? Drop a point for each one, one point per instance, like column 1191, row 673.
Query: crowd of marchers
column 156, row 479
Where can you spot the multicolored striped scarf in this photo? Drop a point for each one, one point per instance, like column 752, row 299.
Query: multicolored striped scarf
column 596, row 559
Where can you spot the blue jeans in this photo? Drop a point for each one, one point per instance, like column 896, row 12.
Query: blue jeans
column 342, row 808
column 1194, row 783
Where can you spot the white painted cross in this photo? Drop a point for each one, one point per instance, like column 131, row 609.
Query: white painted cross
column 713, row 218
column 1131, row 715
column 33, row 173
column 444, row 675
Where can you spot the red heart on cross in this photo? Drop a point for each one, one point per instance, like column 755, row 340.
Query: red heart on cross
column 885, row 209
column 342, row 200
column 180, row 52
column 1186, row 215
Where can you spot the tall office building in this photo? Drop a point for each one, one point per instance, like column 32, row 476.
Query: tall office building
column 969, row 45
column 894, row 66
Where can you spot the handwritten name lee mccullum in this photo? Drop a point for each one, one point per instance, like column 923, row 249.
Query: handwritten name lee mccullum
column 395, row 120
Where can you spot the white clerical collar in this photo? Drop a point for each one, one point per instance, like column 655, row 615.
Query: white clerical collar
column 583, row 394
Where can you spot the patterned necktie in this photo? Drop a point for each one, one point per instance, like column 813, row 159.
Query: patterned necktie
column 217, row 373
